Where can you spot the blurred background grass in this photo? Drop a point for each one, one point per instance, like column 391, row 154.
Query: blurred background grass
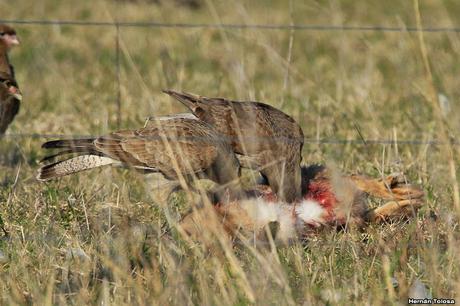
column 333, row 83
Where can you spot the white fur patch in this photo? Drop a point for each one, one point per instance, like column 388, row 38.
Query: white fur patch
column 263, row 212
column 310, row 212
column 292, row 219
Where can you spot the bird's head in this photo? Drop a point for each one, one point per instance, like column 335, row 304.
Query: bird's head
column 8, row 36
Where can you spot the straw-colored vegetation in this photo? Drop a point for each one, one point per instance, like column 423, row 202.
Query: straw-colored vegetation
column 97, row 237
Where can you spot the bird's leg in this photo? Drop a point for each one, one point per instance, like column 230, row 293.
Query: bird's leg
column 271, row 174
column 225, row 172
column 282, row 175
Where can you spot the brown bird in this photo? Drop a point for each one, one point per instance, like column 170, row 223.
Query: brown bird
column 175, row 146
column 263, row 137
column 10, row 96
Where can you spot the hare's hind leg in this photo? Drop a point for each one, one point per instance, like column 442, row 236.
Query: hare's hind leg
column 392, row 187
column 394, row 209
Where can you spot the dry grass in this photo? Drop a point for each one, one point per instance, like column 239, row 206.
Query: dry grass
column 97, row 237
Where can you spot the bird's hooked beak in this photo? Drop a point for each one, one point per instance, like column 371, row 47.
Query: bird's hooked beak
column 12, row 40
column 15, row 92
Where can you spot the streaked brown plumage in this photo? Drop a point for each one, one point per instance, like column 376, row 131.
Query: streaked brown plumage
column 10, row 96
column 263, row 137
column 174, row 146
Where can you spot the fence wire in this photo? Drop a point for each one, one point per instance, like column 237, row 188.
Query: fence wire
column 232, row 26
column 306, row 140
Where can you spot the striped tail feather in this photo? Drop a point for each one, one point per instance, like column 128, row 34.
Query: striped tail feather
column 69, row 143
column 73, row 165
column 69, row 146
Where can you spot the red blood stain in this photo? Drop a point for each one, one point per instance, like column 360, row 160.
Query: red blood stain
column 321, row 192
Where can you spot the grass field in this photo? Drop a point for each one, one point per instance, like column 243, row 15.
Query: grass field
column 96, row 237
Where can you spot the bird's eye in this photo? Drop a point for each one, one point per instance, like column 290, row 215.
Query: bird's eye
column 2, row 33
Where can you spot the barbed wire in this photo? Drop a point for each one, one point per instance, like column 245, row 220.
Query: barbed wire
column 301, row 27
column 246, row 138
